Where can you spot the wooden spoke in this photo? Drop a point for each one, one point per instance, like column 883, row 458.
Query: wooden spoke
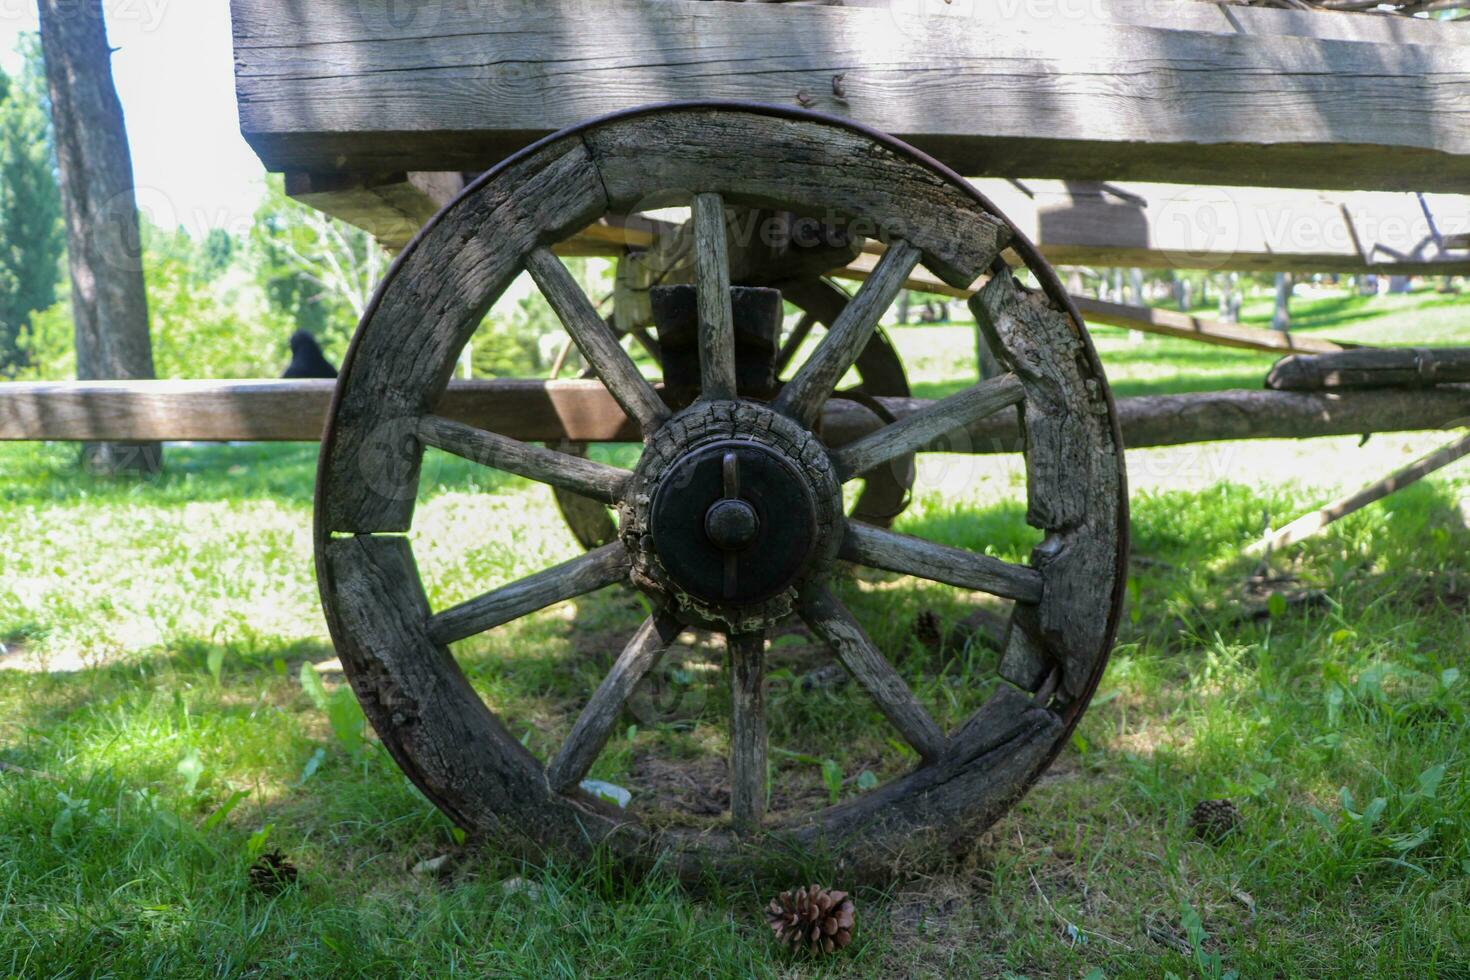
column 802, row 397
column 596, row 480
column 797, row 337
column 592, row 571
column 716, row 315
column 747, row 732
column 917, row 431
column 830, row 620
column 596, row 340
column 940, row 563
column 589, row 734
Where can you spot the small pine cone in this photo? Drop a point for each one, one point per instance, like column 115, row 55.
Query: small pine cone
column 814, row 918
column 272, row 873
column 1212, row 820
column 929, row 629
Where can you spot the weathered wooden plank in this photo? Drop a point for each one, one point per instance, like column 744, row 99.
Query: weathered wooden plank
column 432, row 301
column 830, row 620
column 595, row 723
column 908, row 555
column 390, row 207
column 1074, row 472
column 583, row 574
column 1175, row 226
column 337, row 84
column 747, row 732
column 716, row 312
column 1309, row 524
column 1415, row 367
column 415, row 695
column 803, row 396
column 763, row 160
column 1213, row 18
column 596, row 480
column 1167, row 323
column 915, row 432
column 540, row 411
column 1145, row 319
column 596, row 340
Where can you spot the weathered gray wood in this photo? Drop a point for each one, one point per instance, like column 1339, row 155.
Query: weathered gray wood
column 830, row 620
column 1214, row 18
column 580, row 475
column 431, row 302
column 1174, row 226
column 1145, row 319
column 341, row 84
column 1074, row 472
column 908, row 555
column 917, row 432
column 1070, row 222
column 840, row 177
column 586, row 573
column 716, row 314
column 1309, row 524
column 596, row 721
column 1024, row 659
column 803, row 396
column 1167, row 323
column 390, row 207
column 982, row 772
column 1383, row 368
column 596, row 340
column 432, row 720
column 747, row 733
column 277, row 411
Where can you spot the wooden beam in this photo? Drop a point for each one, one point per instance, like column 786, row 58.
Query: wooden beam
column 1145, row 319
column 1174, row 226
column 1071, row 222
column 583, row 411
column 1400, row 367
column 1210, row 18
column 1310, row 524
column 390, row 207
column 339, row 85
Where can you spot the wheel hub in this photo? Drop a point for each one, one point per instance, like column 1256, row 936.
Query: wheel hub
column 734, row 522
column 730, row 512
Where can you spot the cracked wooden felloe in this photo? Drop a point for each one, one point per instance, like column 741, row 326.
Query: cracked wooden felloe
column 774, row 521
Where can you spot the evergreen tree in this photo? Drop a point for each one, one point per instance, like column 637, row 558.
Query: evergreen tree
column 31, row 236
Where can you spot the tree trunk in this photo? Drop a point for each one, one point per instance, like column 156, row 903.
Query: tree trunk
column 1281, row 319
column 104, row 249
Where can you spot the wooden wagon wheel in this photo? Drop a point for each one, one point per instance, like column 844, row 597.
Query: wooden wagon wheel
column 744, row 471
column 885, row 492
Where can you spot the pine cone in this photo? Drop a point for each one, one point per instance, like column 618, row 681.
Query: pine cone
column 813, row 918
column 929, row 629
column 1212, row 820
column 272, row 873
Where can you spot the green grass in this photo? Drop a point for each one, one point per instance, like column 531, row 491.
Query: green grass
column 172, row 739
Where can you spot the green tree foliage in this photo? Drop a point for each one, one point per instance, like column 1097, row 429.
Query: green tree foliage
column 31, row 238
column 209, row 319
column 316, row 271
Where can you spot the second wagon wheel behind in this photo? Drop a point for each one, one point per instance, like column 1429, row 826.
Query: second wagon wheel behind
column 885, row 493
column 715, row 484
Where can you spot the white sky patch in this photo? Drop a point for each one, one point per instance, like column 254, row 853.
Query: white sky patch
column 174, row 70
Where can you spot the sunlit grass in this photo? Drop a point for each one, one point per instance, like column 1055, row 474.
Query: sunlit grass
column 172, row 740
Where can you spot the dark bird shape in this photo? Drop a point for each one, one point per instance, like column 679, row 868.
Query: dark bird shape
column 307, row 360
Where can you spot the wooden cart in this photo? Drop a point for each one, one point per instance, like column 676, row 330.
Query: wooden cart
column 733, row 518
